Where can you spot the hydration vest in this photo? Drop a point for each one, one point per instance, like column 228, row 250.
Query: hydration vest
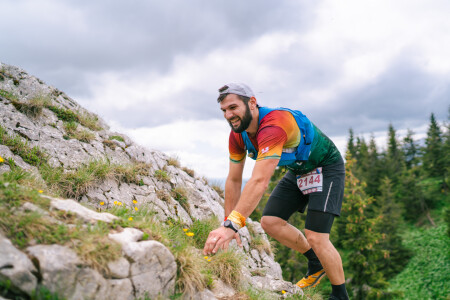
column 290, row 155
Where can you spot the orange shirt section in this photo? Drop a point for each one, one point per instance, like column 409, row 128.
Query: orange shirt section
column 276, row 131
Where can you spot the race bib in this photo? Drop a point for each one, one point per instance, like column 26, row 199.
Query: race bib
column 310, row 182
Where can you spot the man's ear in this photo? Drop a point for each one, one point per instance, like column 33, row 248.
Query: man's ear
column 253, row 103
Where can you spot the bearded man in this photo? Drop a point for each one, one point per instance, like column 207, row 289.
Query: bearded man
column 282, row 137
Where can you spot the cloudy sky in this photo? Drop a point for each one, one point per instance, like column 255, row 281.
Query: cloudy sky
column 151, row 69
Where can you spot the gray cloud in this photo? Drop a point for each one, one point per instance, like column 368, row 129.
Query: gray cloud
column 56, row 40
column 404, row 95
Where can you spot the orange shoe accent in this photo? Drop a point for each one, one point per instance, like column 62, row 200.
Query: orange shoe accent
column 311, row 280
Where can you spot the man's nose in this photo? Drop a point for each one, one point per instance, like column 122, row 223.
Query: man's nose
column 228, row 114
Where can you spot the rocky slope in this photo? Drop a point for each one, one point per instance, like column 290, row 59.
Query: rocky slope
column 68, row 138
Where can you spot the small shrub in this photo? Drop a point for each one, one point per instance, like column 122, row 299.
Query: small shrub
column 162, row 175
column 163, row 195
column 109, row 144
column 260, row 244
column 226, row 265
column 173, row 161
column 65, row 115
column 8, row 95
column 34, row 106
column 32, row 155
column 89, row 120
column 70, row 128
column 190, row 172
column 84, row 135
column 117, row 138
column 180, row 195
column 130, row 173
column 218, row 189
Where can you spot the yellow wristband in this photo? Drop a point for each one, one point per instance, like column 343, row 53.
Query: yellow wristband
column 237, row 218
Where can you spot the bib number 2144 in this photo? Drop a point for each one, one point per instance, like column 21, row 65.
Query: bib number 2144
column 310, row 182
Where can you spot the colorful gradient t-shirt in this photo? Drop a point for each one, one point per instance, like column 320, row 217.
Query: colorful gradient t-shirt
column 278, row 130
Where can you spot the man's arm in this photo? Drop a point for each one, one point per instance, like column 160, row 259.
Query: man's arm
column 256, row 186
column 253, row 191
column 233, row 185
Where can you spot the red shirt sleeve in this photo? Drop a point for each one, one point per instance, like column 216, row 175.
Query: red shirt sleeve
column 236, row 147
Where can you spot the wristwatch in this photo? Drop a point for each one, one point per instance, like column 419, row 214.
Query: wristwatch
column 229, row 224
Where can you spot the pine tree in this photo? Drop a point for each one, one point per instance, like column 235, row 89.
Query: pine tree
column 358, row 236
column 433, row 152
column 374, row 169
column 393, row 162
column 410, row 149
column 351, row 143
column 396, row 256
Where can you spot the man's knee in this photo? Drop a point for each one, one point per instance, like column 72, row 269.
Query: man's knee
column 271, row 224
column 317, row 239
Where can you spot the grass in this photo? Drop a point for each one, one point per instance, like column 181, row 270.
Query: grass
column 258, row 242
column 163, row 195
column 8, row 95
column 190, row 172
column 26, row 228
column 83, row 118
column 426, row 276
column 180, row 195
column 34, row 106
column 32, row 155
column 117, row 138
column 218, row 189
column 226, row 265
column 75, row 183
column 162, row 175
column 173, row 161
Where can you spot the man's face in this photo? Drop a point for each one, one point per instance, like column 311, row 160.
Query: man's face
column 236, row 112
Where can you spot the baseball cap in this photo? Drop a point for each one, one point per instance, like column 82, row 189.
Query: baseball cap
column 238, row 89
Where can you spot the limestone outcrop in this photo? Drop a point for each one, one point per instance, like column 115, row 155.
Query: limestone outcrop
column 39, row 115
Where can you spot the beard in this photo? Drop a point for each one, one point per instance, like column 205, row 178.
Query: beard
column 245, row 121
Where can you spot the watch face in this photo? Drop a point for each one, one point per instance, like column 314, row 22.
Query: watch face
column 229, row 224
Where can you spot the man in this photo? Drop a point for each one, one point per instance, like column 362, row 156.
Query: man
column 282, row 137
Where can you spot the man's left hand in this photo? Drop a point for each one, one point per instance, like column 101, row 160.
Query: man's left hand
column 219, row 239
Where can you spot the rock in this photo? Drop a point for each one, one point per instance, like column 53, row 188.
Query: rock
column 81, row 211
column 222, row 290
column 89, row 284
column 16, row 267
column 128, row 235
column 119, row 269
column 153, row 269
column 58, row 267
column 120, row 289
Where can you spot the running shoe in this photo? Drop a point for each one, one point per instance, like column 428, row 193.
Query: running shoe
column 311, row 280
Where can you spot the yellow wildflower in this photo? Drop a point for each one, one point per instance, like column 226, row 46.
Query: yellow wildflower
column 185, row 229
column 119, row 203
column 102, row 203
column 134, row 201
column 209, row 259
column 130, row 218
column 189, row 233
column 40, row 191
column 136, row 209
column 206, row 257
column 115, row 202
column 283, row 292
column 1, row 159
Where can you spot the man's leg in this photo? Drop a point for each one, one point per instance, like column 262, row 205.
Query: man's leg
column 285, row 233
column 328, row 255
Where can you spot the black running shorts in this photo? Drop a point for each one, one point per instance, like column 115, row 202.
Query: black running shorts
column 323, row 205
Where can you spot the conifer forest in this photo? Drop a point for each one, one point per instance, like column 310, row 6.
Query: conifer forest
column 393, row 233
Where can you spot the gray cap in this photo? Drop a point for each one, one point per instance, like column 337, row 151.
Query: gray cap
column 238, row 89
